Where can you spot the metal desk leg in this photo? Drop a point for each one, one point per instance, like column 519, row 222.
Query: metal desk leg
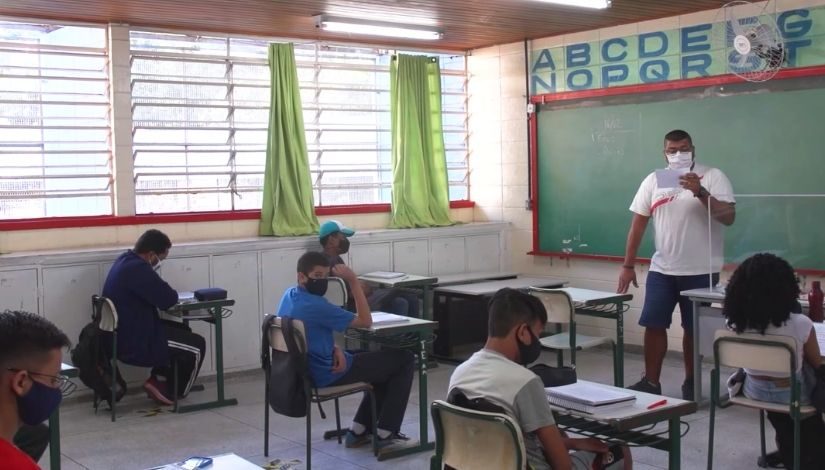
column 426, row 312
column 674, row 457
column 424, row 443
column 221, row 401
column 618, row 370
column 697, row 358
column 54, row 440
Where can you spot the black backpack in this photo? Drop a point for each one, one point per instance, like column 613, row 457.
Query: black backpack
column 286, row 372
column 94, row 366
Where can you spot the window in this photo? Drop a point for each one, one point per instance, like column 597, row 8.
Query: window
column 55, row 152
column 200, row 118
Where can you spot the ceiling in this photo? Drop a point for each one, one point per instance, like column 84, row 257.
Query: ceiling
column 467, row 24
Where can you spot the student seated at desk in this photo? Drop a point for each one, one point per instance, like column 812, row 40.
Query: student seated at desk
column 334, row 238
column 143, row 339
column 389, row 371
column 499, row 375
column 760, row 298
column 30, row 382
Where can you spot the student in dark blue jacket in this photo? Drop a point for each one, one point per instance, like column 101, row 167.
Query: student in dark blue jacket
column 143, row 339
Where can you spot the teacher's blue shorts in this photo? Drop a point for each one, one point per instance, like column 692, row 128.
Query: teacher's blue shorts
column 662, row 295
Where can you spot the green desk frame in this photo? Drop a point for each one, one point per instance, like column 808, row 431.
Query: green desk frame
column 612, row 309
column 383, row 335
column 54, row 423
column 187, row 313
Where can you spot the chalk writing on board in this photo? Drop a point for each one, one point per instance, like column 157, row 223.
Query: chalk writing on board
column 569, row 245
column 610, row 140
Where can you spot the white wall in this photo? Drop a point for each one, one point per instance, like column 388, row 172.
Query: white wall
column 59, row 285
column 499, row 163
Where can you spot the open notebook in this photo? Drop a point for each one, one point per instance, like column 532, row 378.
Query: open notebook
column 384, row 318
column 186, row 298
column 589, row 398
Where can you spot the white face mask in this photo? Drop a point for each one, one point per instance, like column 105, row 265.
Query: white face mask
column 156, row 266
column 679, row 160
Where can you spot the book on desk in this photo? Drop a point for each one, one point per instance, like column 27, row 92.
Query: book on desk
column 384, row 275
column 589, row 398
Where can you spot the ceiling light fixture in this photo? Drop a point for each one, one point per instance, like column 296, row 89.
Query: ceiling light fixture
column 335, row 24
column 597, row 4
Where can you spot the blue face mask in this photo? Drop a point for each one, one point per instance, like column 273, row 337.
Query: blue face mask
column 38, row 404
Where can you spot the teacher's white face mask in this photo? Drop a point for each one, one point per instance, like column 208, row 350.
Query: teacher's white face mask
column 679, row 160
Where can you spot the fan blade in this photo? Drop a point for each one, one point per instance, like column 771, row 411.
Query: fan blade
column 743, row 60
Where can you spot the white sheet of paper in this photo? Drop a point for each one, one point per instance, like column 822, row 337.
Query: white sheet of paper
column 670, row 178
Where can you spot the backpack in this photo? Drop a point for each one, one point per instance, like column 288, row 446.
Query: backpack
column 95, row 367
column 286, row 372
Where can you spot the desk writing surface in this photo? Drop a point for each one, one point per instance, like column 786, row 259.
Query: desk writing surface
column 491, row 287
column 68, row 370
column 717, row 295
column 405, row 280
column 227, row 462
column 628, row 417
column 464, row 278
column 394, row 328
column 595, row 297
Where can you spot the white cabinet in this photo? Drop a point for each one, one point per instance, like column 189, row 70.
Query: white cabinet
column 18, row 290
column 447, row 255
column 186, row 275
column 370, row 257
column 483, row 253
column 278, row 272
column 411, row 256
column 67, row 296
column 238, row 274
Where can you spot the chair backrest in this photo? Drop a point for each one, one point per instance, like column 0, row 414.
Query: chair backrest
column 105, row 313
column 276, row 335
column 337, row 292
column 770, row 353
column 558, row 303
column 476, row 440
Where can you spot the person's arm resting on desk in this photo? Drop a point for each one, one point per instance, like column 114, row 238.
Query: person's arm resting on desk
column 150, row 287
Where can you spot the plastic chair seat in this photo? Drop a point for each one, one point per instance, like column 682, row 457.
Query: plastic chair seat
column 740, row 400
column 330, row 393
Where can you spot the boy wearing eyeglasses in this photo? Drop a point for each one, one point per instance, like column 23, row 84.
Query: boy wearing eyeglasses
column 31, row 387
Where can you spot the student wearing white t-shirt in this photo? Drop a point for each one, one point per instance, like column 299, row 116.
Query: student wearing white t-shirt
column 759, row 298
column 683, row 219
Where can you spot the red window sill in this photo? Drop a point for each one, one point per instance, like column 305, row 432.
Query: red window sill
column 184, row 217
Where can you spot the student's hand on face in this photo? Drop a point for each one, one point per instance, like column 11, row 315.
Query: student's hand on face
column 345, row 273
column 339, row 361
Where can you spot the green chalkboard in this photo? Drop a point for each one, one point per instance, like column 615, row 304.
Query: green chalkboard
column 768, row 138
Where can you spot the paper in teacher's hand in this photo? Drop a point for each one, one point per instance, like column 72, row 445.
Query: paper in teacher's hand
column 670, row 178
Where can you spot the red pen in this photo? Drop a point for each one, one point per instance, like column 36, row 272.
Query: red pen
column 657, row 404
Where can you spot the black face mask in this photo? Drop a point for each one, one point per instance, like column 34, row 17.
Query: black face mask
column 343, row 246
column 528, row 353
column 317, row 286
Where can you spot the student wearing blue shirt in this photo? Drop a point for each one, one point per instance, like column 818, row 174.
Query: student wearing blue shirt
column 143, row 339
column 389, row 371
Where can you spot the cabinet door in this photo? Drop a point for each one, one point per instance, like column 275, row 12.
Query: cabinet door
column 238, row 274
column 447, row 255
column 186, row 275
column 278, row 272
column 370, row 257
column 18, row 290
column 67, row 296
column 411, row 257
column 483, row 253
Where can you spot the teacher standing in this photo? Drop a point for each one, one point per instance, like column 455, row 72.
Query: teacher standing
column 688, row 251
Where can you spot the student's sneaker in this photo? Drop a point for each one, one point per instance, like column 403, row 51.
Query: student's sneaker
column 392, row 439
column 157, row 391
column 687, row 389
column 645, row 386
column 353, row 440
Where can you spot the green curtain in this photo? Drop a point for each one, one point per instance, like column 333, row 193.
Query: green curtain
column 420, row 191
column 287, row 208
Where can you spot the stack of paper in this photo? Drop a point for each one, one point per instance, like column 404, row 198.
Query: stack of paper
column 384, row 275
column 384, row 318
column 186, row 298
column 589, row 398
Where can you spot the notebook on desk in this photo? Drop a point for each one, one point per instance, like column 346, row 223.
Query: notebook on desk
column 186, row 298
column 384, row 275
column 384, row 318
column 589, row 398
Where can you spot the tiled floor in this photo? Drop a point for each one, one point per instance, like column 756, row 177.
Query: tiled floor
column 139, row 439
